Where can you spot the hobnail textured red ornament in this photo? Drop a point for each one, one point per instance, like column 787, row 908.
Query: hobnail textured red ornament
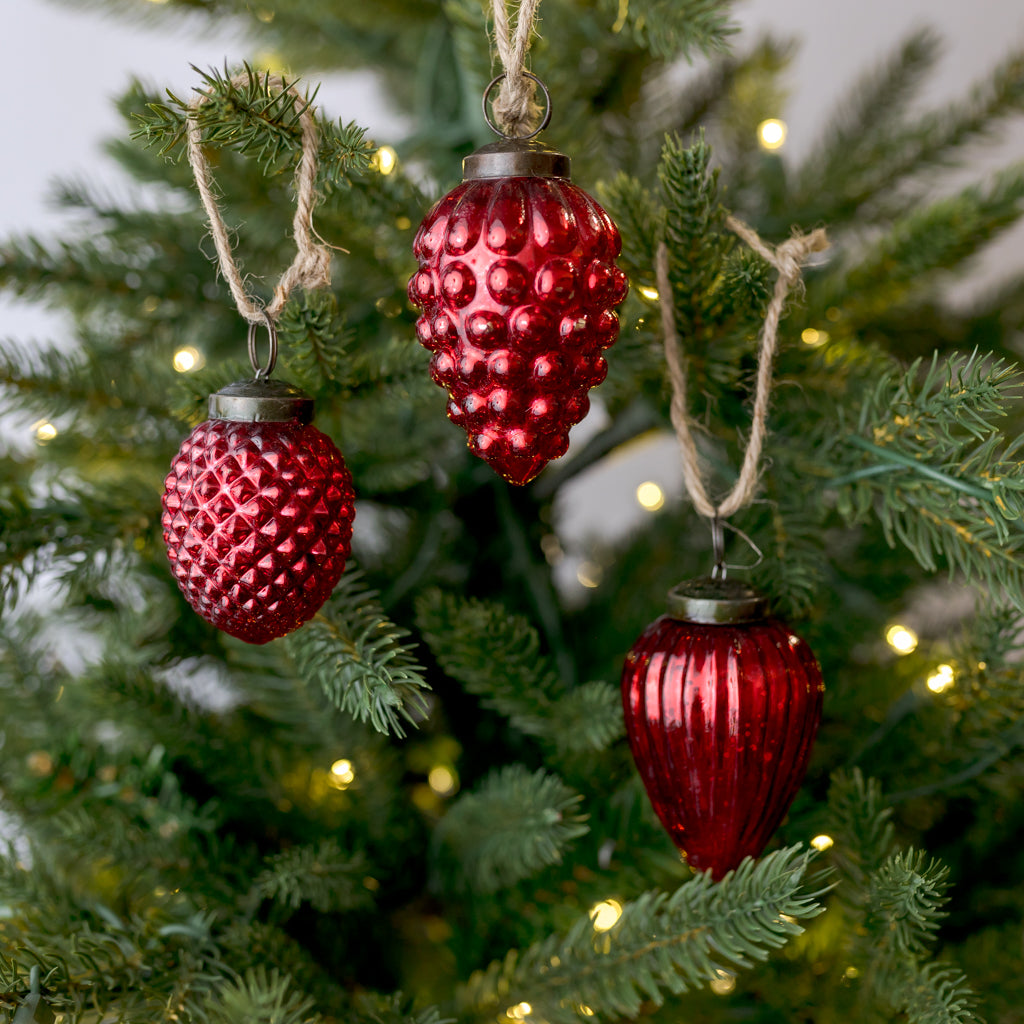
column 722, row 705
column 517, row 284
column 258, row 510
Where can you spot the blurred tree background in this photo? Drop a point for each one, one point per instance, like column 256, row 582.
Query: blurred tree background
column 208, row 831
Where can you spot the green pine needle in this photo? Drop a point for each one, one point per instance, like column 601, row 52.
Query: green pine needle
column 661, row 944
column 510, row 827
column 357, row 656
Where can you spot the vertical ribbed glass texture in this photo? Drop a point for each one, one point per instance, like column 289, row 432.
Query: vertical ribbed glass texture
column 721, row 719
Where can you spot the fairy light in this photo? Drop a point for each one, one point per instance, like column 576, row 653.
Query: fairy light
column 385, row 160
column 268, row 60
column 584, row 1010
column 822, row 842
column 603, row 915
column 723, row 984
column 187, row 358
column 648, row 293
column 771, row 134
column 650, row 496
column 520, row 1011
column 45, row 431
column 941, row 679
column 589, row 575
column 441, row 780
column 901, row 639
column 342, row 774
column 813, row 338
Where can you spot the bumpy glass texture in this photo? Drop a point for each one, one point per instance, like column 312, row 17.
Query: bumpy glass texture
column 721, row 720
column 517, row 285
column 257, row 522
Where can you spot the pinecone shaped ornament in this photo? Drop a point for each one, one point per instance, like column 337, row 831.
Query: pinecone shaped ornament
column 722, row 705
column 258, row 509
column 517, row 285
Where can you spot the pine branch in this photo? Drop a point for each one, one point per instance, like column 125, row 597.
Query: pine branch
column 694, row 229
column 357, row 657
column 903, row 910
column 896, row 902
column 905, row 898
column 661, row 944
column 514, row 824
column 314, row 337
column 259, row 997
column 257, row 119
column 674, row 28
column 860, row 825
column 863, row 123
column 938, row 472
column 321, row 875
column 513, row 677
column 931, row 238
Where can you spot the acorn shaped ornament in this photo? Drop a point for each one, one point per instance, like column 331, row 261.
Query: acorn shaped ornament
column 517, row 284
column 722, row 704
column 257, row 510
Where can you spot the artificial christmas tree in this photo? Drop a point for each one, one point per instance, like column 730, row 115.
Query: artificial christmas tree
column 421, row 805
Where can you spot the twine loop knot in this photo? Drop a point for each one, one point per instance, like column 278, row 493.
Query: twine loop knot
column 311, row 267
column 788, row 258
column 515, row 109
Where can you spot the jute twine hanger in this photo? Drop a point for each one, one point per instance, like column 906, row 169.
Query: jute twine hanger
column 788, row 259
column 311, row 267
column 514, row 109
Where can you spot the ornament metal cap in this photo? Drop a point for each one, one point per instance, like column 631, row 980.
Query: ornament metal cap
column 261, row 401
column 515, row 158
column 716, row 602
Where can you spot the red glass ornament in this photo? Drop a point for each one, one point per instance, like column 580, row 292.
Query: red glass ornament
column 721, row 717
column 517, row 285
column 258, row 515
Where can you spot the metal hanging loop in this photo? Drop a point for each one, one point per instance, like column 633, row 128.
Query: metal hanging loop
column 718, row 548
column 545, row 121
column 263, row 372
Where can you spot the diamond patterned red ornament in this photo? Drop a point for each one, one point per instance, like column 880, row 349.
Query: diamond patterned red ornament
column 721, row 714
column 517, row 284
column 258, row 515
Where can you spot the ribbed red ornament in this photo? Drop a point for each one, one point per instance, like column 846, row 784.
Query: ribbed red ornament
column 517, row 284
column 257, row 521
column 721, row 719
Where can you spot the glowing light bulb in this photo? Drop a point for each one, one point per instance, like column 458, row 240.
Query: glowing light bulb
column 267, row 60
column 941, row 679
column 45, row 431
column 814, row 338
column 187, row 358
column 584, row 1010
column 648, row 292
column 385, row 159
column 822, row 842
column 650, row 496
column 771, row 134
column 519, row 1011
column 901, row 639
column 342, row 774
column 603, row 915
column 723, row 984
column 441, row 780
